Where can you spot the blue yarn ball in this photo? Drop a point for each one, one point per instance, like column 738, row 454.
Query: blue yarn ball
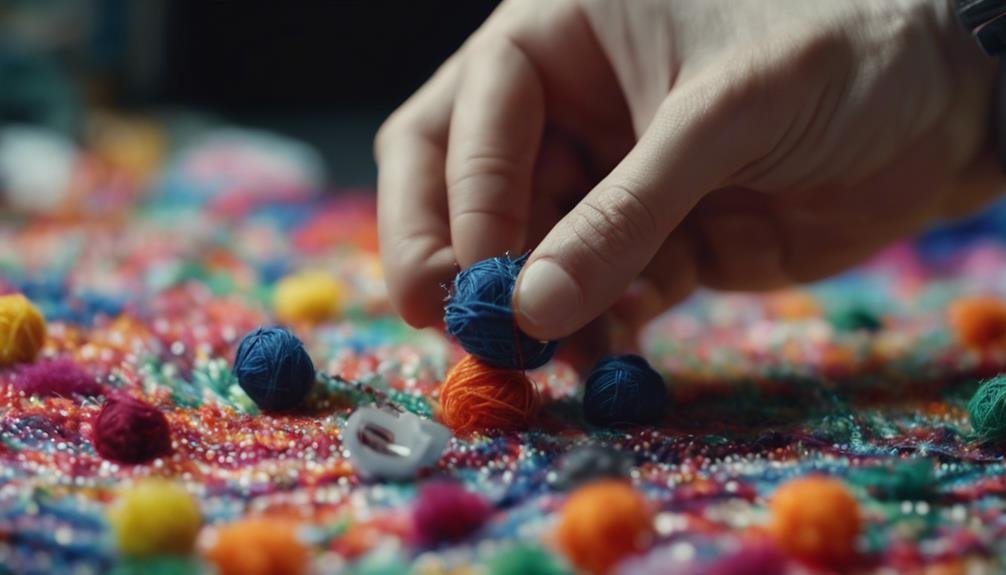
column 624, row 390
column 478, row 314
column 274, row 369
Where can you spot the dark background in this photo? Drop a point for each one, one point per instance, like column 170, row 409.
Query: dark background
column 324, row 71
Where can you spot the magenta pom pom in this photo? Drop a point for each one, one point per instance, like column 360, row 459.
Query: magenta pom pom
column 754, row 559
column 130, row 431
column 446, row 511
column 60, row 377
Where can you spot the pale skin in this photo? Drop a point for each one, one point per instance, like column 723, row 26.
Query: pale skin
column 643, row 148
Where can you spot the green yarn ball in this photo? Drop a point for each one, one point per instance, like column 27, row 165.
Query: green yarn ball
column 987, row 409
column 525, row 561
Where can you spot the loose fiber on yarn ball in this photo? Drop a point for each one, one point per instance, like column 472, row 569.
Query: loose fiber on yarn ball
column 128, row 430
column 624, row 390
column 274, row 369
column 479, row 315
column 478, row 397
column 987, row 409
column 22, row 330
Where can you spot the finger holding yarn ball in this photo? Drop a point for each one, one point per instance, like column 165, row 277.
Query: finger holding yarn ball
column 476, row 397
column 479, row 315
column 623, row 391
column 131, row 431
column 22, row 330
column 274, row 369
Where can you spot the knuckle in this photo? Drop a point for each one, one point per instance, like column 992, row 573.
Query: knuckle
column 613, row 226
column 478, row 165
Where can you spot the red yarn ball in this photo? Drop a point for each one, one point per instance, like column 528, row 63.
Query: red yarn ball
column 478, row 397
column 60, row 377
column 446, row 511
column 128, row 430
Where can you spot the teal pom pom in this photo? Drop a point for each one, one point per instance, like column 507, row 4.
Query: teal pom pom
column 624, row 390
column 274, row 369
column 526, row 561
column 479, row 316
column 987, row 409
column 855, row 318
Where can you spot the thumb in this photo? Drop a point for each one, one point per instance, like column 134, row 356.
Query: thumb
column 692, row 145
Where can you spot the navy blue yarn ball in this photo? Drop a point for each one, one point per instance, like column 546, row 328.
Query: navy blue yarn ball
column 478, row 314
column 274, row 369
column 624, row 390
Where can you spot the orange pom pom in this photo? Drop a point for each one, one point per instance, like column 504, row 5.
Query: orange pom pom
column 979, row 321
column 22, row 330
column 479, row 397
column 261, row 546
column 816, row 519
column 602, row 523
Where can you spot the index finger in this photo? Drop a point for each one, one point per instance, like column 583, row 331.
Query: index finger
column 413, row 226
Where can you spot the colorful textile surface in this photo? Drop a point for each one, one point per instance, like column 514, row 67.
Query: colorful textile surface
column 149, row 285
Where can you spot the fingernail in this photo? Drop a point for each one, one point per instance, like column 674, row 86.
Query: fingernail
column 547, row 296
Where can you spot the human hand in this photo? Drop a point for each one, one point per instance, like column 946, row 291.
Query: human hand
column 644, row 148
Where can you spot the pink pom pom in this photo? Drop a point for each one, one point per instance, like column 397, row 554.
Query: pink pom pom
column 130, row 431
column 760, row 558
column 60, row 377
column 446, row 511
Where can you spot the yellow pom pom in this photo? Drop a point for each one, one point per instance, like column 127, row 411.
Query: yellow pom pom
column 307, row 297
column 22, row 330
column 155, row 517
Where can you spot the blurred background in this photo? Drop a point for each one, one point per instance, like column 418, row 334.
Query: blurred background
column 325, row 73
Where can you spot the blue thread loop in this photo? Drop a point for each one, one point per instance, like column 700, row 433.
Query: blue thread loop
column 274, row 369
column 478, row 314
column 624, row 390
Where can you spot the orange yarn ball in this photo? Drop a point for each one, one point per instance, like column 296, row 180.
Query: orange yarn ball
column 22, row 330
column 979, row 321
column 816, row 519
column 260, row 546
column 602, row 523
column 479, row 397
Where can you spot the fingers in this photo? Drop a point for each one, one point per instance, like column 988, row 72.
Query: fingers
column 670, row 277
column 589, row 258
column 412, row 209
column 495, row 131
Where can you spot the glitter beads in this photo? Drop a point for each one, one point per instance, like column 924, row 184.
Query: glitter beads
column 603, row 523
column 22, row 330
column 310, row 296
column 155, row 517
column 815, row 519
column 274, row 369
